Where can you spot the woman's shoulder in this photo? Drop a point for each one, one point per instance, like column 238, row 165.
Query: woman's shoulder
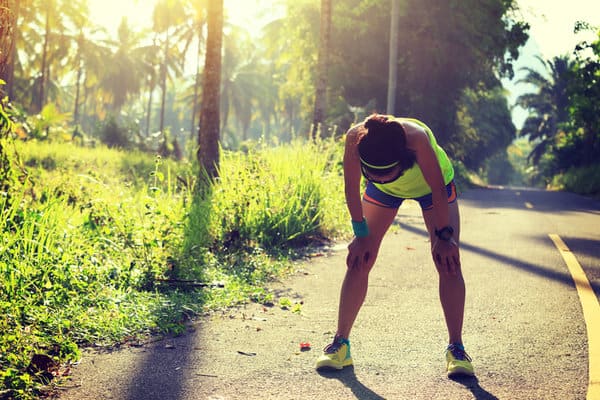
column 415, row 133
column 413, row 130
column 409, row 124
column 353, row 132
column 354, row 129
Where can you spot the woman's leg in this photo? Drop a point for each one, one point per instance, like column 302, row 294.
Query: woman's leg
column 355, row 284
column 451, row 287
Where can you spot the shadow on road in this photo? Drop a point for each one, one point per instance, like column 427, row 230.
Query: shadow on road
column 542, row 200
column 472, row 383
column 349, row 379
column 562, row 277
column 161, row 374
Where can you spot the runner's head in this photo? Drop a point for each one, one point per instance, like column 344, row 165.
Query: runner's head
column 382, row 148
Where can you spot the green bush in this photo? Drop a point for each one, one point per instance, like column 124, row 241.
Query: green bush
column 582, row 180
column 114, row 135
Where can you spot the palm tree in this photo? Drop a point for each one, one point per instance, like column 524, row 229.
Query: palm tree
column 548, row 105
column 167, row 14
column 151, row 79
column 24, row 74
column 125, row 73
column 193, row 31
column 89, row 58
column 56, row 45
column 322, row 66
column 208, row 133
column 48, row 14
column 47, row 23
column 243, row 83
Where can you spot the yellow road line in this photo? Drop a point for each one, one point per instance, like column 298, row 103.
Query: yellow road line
column 591, row 315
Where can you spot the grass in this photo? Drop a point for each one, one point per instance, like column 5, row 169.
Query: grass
column 104, row 246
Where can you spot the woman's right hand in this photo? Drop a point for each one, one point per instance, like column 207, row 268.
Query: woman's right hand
column 359, row 253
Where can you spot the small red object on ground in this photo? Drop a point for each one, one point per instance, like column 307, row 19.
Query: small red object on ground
column 304, row 346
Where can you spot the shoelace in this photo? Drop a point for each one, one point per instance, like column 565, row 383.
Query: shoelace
column 458, row 353
column 332, row 347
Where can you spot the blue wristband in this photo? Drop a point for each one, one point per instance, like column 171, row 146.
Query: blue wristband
column 361, row 229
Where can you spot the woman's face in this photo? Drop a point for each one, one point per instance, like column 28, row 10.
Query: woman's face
column 383, row 176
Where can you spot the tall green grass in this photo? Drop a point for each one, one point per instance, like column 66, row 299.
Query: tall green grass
column 104, row 246
column 293, row 193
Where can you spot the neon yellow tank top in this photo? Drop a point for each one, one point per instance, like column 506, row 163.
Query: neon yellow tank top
column 412, row 184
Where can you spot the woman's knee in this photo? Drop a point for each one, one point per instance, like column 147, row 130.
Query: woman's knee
column 365, row 267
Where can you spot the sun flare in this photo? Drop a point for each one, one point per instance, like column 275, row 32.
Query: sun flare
column 108, row 13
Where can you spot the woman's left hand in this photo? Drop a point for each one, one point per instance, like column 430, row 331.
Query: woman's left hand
column 359, row 253
column 446, row 256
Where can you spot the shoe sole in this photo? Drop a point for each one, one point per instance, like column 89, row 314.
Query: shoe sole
column 460, row 373
column 329, row 367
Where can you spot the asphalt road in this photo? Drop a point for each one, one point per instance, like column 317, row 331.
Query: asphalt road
column 524, row 325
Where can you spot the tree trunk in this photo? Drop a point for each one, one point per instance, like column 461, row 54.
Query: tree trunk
column 163, row 83
column 149, row 107
column 208, row 133
column 196, row 86
column 8, row 27
column 322, row 68
column 43, row 77
column 78, row 79
column 151, row 86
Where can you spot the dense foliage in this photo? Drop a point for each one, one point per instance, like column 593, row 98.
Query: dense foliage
column 442, row 52
column 148, row 80
column 564, row 121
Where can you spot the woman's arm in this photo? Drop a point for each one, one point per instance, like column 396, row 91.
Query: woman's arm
column 360, row 247
column 445, row 253
column 432, row 173
column 352, row 174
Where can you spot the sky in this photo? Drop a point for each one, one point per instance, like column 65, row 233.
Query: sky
column 108, row 13
column 552, row 23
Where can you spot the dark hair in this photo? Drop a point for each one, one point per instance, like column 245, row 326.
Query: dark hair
column 383, row 142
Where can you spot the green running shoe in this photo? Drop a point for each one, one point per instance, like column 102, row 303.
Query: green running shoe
column 336, row 355
column 458, row 362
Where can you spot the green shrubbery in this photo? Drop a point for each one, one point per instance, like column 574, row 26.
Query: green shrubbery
column 104, row 246
column 582, row 180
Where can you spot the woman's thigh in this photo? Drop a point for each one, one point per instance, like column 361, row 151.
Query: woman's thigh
column 379, row 219
column 453, row 216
